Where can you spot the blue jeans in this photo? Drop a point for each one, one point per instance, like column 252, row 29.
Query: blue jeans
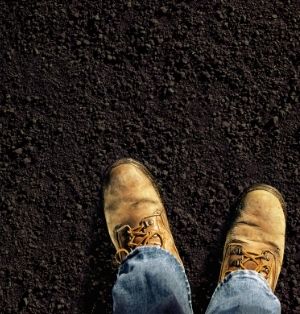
column 151, row 280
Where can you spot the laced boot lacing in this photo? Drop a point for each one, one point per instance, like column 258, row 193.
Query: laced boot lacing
column 241, row 259
column 139, row 236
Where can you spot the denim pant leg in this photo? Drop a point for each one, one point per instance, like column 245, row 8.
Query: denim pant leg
column 151, row 280
column 242, row 292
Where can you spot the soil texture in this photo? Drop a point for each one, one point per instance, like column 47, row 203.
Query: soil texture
column 204, row 93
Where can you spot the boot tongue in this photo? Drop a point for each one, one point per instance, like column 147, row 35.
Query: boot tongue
column 154, row 240
column 250, row 265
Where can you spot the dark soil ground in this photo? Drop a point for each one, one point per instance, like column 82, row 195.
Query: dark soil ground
column 205, row 93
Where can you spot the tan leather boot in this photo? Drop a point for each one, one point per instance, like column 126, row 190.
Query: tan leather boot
column 256, row 239
column 134, row 212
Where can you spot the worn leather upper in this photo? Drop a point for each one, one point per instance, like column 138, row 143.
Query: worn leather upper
column 134, row 212
column 257, row 238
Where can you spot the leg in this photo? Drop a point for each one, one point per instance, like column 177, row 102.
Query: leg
column 244, row 291
column 253, row 255
column 151, row 281
column 151, row 277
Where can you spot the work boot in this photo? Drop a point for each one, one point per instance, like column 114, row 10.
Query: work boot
column 256, row 239
column 134, row 211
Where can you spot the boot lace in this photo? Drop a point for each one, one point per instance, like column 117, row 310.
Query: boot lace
column 139, row 236
column 260, row 263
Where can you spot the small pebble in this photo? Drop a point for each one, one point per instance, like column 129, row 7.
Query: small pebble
column 293, row 269
column 154, row 21
column 27, row 160
column 78, row 206
column 164, row 9
column 19, row 151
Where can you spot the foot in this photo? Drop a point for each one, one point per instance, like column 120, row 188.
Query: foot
column 256, row 239
column 134, row 212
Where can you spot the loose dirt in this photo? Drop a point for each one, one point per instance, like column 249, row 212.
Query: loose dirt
column 205, row 93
